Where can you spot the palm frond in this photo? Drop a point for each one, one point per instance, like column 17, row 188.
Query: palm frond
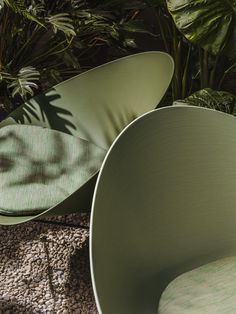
column 19, row 7
column 36, row 8
column 4, row 76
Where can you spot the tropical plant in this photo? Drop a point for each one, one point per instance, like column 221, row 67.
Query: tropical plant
column 200, row 35
column 44, row 42
column 31, row 43
column 208, row 98
column 211, row 26
column 107, row 28
column 183, row 52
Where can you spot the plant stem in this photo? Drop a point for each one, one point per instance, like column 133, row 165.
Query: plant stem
column 205, row 68
column 160, row 24
column 177, row 58
column 20, row 54
column 213, row 72
column 225, row 74
column 51, row 52
column 3, row 32
column 184, row 78
column 203, row 59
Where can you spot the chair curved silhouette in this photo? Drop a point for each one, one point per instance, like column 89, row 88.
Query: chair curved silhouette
column 92, row 107
column 164, row 203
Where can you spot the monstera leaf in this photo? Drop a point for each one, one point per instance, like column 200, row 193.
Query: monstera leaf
column 24, row 83
column 208, row 23
column 208, row 98
column 61, row 22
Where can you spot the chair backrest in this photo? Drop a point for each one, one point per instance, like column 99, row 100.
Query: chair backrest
column 164, row 203
column 98, row 104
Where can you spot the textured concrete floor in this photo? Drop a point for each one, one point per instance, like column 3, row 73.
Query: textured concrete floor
column 44, row 268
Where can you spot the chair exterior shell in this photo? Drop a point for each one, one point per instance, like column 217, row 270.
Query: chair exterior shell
column 96, row 106
column 164, row 203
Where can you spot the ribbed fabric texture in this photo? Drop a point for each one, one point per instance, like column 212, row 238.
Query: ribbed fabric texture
column 208, row 289
column 40, row 167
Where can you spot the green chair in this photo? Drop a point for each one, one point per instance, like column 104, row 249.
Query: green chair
column 54, row 144
column 164, row 204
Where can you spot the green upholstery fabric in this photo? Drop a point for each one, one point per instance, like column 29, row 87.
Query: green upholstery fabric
column 40, row 167
column 210, row 288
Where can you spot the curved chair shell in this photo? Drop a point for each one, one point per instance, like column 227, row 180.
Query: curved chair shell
column 164, row 203
column 96, row 106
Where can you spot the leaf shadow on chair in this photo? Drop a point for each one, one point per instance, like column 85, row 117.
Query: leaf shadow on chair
column 41, row 108
column 40, row 170
column 7, row 162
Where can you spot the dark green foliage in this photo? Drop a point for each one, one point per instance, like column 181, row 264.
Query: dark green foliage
column 44, row 42
column 210, row 24
column 208, row 98
column 200, row 36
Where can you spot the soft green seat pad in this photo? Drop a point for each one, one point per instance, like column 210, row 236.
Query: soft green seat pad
column 208, row 289
column 41, row 167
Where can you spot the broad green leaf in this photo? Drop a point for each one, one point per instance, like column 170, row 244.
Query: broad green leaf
column 208, row 98
column 209, row 23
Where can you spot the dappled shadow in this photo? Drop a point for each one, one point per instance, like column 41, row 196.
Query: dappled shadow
column 50, row 110
column 79, row 270
column 79, row 281
column 38, row 168
column 42, row 108
column 10, row 307
column 34, row 161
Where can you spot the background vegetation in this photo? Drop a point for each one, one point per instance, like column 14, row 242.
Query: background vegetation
column 44, row 42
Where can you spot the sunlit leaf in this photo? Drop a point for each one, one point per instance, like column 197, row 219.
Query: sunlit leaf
column 62, row 22
column 24, row 83
column 210, row 24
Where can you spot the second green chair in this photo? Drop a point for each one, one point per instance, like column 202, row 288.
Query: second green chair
column 52, row 146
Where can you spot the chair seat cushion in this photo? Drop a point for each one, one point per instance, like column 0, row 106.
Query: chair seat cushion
column 210, row 288
column 40, row 167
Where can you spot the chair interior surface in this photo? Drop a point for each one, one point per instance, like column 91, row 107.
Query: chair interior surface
column 96, row 106
column 164, row 203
